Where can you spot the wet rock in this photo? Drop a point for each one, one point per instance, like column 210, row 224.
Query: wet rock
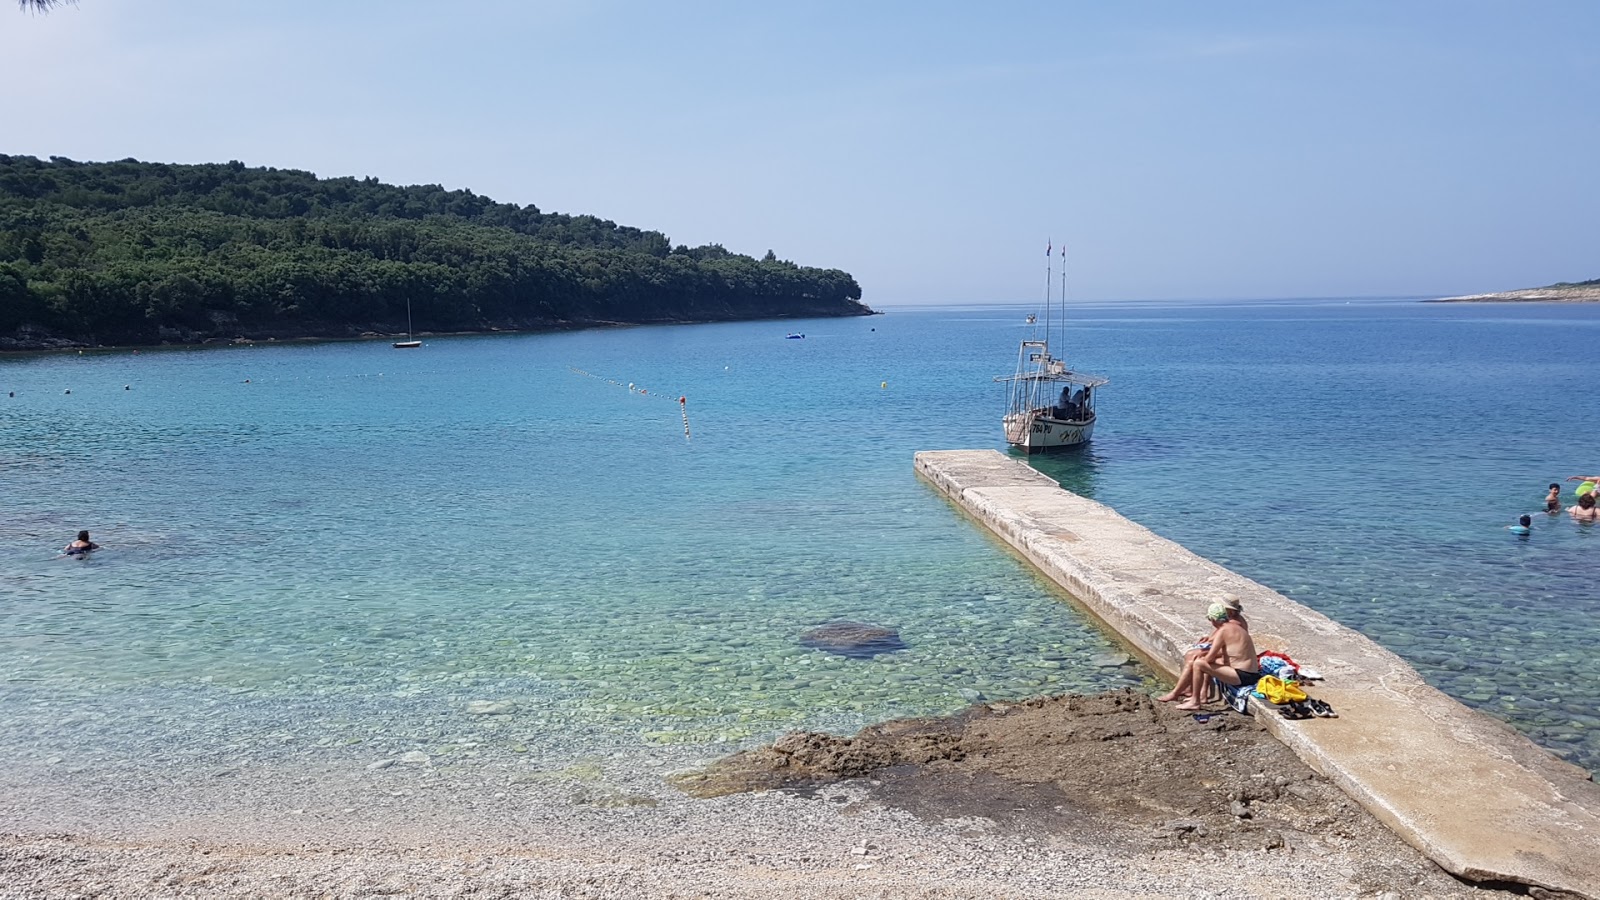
column 853, row 639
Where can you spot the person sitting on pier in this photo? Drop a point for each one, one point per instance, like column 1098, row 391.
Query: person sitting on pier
column 1231, row 659
column 1201, row 646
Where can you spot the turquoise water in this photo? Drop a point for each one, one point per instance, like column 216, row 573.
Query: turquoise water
column 375, row 534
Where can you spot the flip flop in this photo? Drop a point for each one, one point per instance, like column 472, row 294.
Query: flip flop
column 1202, row 718
column 1296, row 710
column 1321, row 709
column 1310, row 674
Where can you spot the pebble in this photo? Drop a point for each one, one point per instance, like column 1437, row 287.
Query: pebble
column 415, row 757
column 490, row 707
column 380, row 764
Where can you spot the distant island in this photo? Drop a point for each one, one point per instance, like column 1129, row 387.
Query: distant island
column 1563, row 292
column 140, row 253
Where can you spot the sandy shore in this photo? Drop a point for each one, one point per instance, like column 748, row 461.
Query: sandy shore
column 1107, row 796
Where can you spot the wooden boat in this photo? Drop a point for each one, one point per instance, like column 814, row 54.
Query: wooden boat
column 1049, row 406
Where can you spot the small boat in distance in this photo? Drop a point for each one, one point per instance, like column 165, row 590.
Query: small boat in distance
column 794, row 336
column 1049, row 406
column 1032, row 318
column 409, row 343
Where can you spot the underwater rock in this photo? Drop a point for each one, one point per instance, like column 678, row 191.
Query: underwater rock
column 853, row 639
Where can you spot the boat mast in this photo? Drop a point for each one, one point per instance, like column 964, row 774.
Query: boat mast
column 1048, row 246
column 1063, row 341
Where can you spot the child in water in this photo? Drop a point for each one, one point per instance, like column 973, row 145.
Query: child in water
column 1523, row 526
column 1552, row 500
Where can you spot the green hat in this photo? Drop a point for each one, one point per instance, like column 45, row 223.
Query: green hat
column 1217, row 612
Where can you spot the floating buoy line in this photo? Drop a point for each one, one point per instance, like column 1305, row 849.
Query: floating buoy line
column 682, row 401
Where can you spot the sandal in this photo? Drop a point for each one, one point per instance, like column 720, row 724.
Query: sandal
column 1309, row 674
column 1296, row 710
column 1321, row 709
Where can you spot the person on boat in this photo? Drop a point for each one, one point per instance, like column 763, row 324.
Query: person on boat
column 1585, row 511
column 1201, row 646
column 1552, row 500
column 1231, row 659
column 1064, row 408
column 81, row 546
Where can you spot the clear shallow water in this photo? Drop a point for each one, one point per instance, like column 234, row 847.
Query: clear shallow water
column 377, row 534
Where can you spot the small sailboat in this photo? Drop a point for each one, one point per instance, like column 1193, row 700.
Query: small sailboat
column 409, row 343
column 1049, row 406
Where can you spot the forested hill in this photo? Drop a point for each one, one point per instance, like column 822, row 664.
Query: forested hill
column 133, row 253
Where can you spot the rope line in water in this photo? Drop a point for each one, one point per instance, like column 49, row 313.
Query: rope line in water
column 683, row 402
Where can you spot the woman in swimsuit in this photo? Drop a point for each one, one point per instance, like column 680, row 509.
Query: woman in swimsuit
column 1585, row 511
column 1192, row 656
column 1231, row 659
column 81, row 546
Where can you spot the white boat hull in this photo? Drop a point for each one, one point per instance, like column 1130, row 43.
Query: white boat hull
column 1036, row 433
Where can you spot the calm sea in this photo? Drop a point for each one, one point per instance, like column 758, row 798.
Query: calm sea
column 495, row 536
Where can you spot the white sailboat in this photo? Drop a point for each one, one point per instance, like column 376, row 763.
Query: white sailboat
column 1049, row 406
column 408, row 343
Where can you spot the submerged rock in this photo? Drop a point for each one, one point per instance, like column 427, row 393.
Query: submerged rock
column 853, row 639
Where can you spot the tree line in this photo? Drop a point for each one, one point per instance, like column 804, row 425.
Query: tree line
column 134, row 252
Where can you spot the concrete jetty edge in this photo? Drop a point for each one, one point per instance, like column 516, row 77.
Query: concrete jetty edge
column 1481, row 800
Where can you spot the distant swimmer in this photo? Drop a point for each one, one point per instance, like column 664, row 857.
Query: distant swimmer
column 80, row 547
column 1552, row 500
column 1585, row 511
column 1524, row 525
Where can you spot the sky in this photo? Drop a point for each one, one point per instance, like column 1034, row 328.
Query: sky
column 1180, row 150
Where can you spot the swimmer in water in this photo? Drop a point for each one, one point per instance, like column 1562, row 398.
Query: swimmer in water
column 1523, row 526
column 80, row 547
column 1585, row 511
column 1552, row 500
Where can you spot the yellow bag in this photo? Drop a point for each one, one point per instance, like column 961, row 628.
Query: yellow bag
column 1275, row 690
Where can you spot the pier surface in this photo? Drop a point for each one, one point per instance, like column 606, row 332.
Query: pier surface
column 1478, row 798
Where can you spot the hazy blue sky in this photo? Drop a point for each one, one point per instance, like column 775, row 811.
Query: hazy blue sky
column 1181, row 149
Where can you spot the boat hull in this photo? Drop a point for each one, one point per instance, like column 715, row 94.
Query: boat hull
column 407, row 345
column 1035, row 433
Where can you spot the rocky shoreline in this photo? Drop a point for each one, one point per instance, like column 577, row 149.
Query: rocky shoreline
column 32, row 340
column 1582, row 293
column 1111, row 795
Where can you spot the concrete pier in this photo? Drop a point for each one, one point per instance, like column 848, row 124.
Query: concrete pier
column 1480, row 799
